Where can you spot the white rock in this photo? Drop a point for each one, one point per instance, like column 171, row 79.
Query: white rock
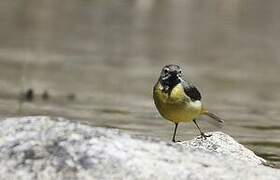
column 53, row 149
column 223, row 145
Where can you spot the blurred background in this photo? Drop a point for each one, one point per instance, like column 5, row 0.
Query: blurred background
column 96, row 61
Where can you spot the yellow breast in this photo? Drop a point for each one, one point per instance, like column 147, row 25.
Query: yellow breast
column 176, row 107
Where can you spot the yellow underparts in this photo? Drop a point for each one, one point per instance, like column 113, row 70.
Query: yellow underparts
column 176, row 107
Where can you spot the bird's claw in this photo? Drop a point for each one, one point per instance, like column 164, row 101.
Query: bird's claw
column 175, row 141
column 205, row 136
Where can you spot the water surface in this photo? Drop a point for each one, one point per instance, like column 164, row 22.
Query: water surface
column 109, row 54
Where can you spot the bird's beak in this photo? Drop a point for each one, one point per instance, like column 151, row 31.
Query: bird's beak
column 173, row 73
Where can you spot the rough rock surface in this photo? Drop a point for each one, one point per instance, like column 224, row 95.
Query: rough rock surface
column 46, row 148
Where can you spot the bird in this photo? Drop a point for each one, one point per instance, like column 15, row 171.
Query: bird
column 178, row 100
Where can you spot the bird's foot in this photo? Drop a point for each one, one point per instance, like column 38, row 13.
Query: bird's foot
column 175, row 141
column 205, row 136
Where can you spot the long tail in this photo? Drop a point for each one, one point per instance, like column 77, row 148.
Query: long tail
column 212, row 115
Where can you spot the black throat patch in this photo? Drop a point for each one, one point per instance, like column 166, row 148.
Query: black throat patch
column 169, row 84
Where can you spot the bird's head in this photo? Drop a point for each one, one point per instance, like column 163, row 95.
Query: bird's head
column 170, row 76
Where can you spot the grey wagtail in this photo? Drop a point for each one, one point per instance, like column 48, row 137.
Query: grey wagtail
column 178, row 100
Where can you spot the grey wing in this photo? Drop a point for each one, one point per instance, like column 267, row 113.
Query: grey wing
column 191, row 91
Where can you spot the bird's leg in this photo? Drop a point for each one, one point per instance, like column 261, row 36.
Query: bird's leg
column 174, row 134
column 201, row 133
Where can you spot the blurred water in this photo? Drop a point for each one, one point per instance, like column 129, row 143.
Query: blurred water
column 109, row 54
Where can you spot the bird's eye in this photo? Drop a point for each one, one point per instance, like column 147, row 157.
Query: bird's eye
column 165, row 71
column 180, row 73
